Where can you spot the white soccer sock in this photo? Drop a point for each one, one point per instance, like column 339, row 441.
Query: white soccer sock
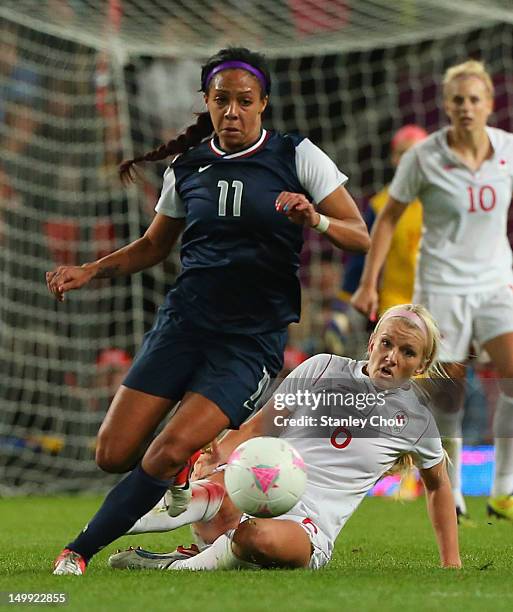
column 450, row 426
column 453, row 447
column 219, row 556
column 206, row 500
column 503, row 437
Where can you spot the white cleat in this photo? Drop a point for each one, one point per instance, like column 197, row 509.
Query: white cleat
column 159, row 519
column 139, row 559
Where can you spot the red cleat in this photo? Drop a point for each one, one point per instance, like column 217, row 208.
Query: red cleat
column 182, row 478
column 179, row 494
column 69, row 563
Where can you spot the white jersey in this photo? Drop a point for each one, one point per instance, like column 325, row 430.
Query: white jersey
column 343, row 463
column 464, row 247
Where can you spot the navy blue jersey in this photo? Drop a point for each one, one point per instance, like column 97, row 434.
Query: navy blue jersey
column 240, row 257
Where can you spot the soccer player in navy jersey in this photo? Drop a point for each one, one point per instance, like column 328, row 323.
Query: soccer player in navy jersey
column 241, row 196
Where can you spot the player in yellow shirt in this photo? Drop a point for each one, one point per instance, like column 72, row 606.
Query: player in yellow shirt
column 397, row 278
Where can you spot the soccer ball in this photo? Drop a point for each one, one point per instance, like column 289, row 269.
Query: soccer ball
column 265, row 477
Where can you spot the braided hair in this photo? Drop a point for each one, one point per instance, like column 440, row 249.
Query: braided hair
column 195, row 133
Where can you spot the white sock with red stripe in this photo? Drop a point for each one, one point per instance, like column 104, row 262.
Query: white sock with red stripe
column 206, row 500
column 219, row 556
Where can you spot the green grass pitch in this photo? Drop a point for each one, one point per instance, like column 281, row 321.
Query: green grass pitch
column 385, row 559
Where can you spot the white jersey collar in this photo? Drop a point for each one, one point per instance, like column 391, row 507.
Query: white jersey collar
column 444, row 143
column 244, row 152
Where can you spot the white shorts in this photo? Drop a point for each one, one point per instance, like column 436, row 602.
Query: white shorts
column 465, row 318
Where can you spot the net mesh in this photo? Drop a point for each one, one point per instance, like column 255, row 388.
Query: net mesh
column 84, row 84
column 186, row 28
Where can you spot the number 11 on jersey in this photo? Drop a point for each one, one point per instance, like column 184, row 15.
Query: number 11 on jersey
column 223, row 196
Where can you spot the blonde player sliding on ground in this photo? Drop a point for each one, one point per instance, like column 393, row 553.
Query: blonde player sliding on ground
column 343, row 463
column 463, row 175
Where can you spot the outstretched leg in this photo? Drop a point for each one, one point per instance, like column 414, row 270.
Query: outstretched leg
column 197, row 422
column 256, row 543
column 206, row 500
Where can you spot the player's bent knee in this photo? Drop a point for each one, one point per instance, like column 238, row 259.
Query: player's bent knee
column 113, row 455
column 111, row 461
column 255, row 537
column 273, row 543
column 168, row 452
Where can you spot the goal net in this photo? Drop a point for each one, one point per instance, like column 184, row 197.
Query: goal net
column 86, row 84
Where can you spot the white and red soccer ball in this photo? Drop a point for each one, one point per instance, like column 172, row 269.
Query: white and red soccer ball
column 265, row 477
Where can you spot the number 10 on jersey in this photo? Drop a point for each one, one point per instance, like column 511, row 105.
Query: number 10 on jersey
column 485, row 197
column 224, row 188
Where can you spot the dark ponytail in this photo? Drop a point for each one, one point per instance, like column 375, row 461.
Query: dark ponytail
column 192, row 136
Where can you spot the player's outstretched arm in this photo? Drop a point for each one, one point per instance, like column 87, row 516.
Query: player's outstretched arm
column 365, row 298
column 153, row 247
column 442, row 513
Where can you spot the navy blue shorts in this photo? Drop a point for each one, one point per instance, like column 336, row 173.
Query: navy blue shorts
column 231, row 370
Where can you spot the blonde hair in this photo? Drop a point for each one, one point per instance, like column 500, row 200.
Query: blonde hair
column 470, row 68
column 405, row 464
column 405, row 468
column 432, row 336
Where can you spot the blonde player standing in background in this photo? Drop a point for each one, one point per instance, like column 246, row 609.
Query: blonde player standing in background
column 463, row 175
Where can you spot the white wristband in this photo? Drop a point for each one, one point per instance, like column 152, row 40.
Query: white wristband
column 322, row 226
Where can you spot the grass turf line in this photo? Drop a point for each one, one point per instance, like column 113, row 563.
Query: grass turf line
column 385, row 559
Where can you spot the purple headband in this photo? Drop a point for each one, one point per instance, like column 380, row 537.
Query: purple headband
column 236, row 64
column 407, row 314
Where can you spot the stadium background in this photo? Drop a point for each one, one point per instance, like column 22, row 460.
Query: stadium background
column 85, row 83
